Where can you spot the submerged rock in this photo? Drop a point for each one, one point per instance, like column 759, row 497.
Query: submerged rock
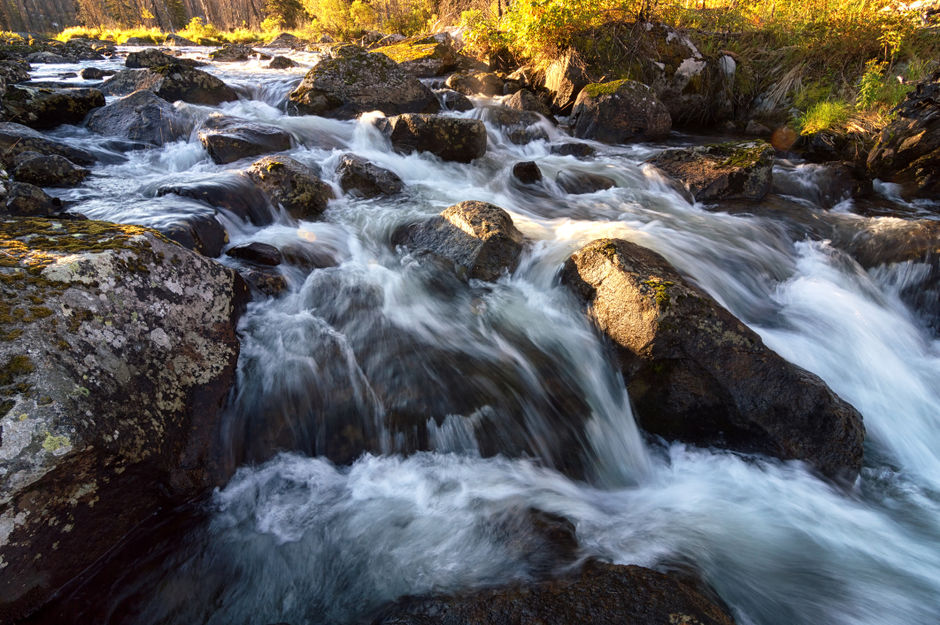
column 141, row 116
column 48, row 171
column 723, row 171
column 357, row 82
column 360, row 177
column 200, row 232
column 618, row 112
column 293, row 185
column 697, row 374
column 449, row 138
column 48, row 108
column 579, row 182
column 228, row 140
column 258, row 253
column 232, row 192
column 453, row 101
column 110, row 404
column 478, row 238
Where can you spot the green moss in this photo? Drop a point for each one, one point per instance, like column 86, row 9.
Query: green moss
column 404, row 52
column 18, row 366
column 660, row 291
column 747, row 154
column 597, row 89
column 54, row 443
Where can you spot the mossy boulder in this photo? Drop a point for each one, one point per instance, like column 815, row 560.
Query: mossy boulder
column 449, row 138
column 48, row 171
column 118, row 350
column 722, row 171
column 48, row 108
column 619, row 111
column 355, row 81
column 228, row 139
column 141, row 116
column 172, row 82
column 697, row 374
column 233, row 53
column 423, row 58
column 151, row 57
column 293, row 185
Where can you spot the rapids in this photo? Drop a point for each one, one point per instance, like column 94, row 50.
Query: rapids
column 294, row 538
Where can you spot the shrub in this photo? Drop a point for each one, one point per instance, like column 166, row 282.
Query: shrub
column 825, row 115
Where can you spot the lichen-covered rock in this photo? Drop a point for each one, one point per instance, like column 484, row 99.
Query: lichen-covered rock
column 908, row 150
column 580, row 182
column 228, row 140
column 49, row 171
column 172, row 82
column 423, row 58
column 293, row 185
column 723, row 171
column 449, row 138
column 281, row 62
column 233, row 53
column 360, row 177
column 697, row 374
column 151, row 57
column 128, row 81
column 48, row 108
column 478, row 238
column 119, row 351
column 28, row 200
column 15, row 139
column 476, row 83
column 599, row 594
column 356, row 81
column 141, row 116
column 618, row 112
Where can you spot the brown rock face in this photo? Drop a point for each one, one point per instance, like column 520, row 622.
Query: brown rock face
column 697, row 374
column 601, row 594
column 172, row 82
column 619, row 111
column 450, row 138
column 724, row 171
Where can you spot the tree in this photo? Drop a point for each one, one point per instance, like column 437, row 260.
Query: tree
column 287, row 12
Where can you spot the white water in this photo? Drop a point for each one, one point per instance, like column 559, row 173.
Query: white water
column 296, row 539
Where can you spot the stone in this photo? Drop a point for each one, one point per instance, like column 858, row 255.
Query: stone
column 723, row 171
column 200, row 232
column 95, row 73
column 267, row 281
column 525, row 100
column 172, row 82
column 579, row 182
column 571, row 148
column 453, row 101
column 258, row 253
column 141, row 116
column 232, row 192
column 449, row 138
column 360, row 177
column 151, row 57
column 476, row 83
column 527, row 172
column 480, row 239
column 233, row 53
column 424, row 58
column 565, row 78
column 228, row 140
column 172, row 39
column 111, row 404
column 286, row 40
column 695, row 373
column 47, row 108
column 27, row 200
column 618, row 112
column 281, row 62
column 357, row 82
column 13, row 71
column 520, row 127
column 16, row 139
column 49, row 171
column 293, row 185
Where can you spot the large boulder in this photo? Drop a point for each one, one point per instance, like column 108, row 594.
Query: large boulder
column 16, row 139
column 141, row 116
column 232, row 192
column 525, row 100
column 151, row 57
column 618, row 112
column 723, row 171
column 476, row 83
column 172, row 82
column 48, row 171
column 449, row 138
column 908, row 150
column 48, row 108
column 356, row 81
column 293, row 185
column 564, row 79
column 286, row 40
column 110, row 404
column 228, row 140
column 360, row 177
column 478, row 238
column 599, row 594
column 200, row 232
column 21, row 199
column 423, row 58
column 697, row 374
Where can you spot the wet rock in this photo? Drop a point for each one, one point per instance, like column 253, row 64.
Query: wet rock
column 49, row 171
column 600, row 594
column 578, row 182
column 233, row 53
column 449, row 138
column 151, row 57
column 172, row 39
column 565, row 78
column 16, row 139
column 111, row 404
column 423, row 58
column 828, row 184
column 908, row 150
column 286, row 40
column 618, row 112
column 139, row 41
column 127, row 81
column 172, row 82
column 281, row 62
column 360, row 177
column 358, row 82
column 141, row 116
column 479, row 238
column 48, row 108
column 95, row 73
column 258, row 253
column 27, row 200
column 265, row 280
column 520, row 127
column 234, row 193
column 228, row 140
column 527, row 172
column 201, row 233
column 723, row 171
column 453, row 101
column 13, row 71
column 697, row 374
column 293, row 185
column 42, row 58
column 525, row 100
column 579, row 150
column 476, row 83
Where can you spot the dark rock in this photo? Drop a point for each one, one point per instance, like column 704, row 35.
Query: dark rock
column 519, row 126
column 95, row 73
column 258, row 253
column 286, row 40
column 449, row 138
column 27, row 200
column 828, row 184
column 908, row 150
column 265, row 280
column 152, row 363
column 578, row 182
column 525, row 100
column 476, row 83
column 293, row 185
column 201, row 232
column 127, row 81
column 235, row 193
column 479, row 238
column 309, row 256
column 359, row 176
column 618, row 112
column 141, row 116
column 172, row 39
column 697, row 374
column 48, row 57
column 46, row 108
column 172, row 82
column 423, row 58
column 527, row 172
column 13, row 71
column 151, row 57
column 281, row 62
column 453, row 101
column 579, row 150
column 723, row 171
column 139, row 41
column 16, row 139
column 49, row 171
column 228, row 140
column 233, row 53
column 358, row 82
column 599, row 594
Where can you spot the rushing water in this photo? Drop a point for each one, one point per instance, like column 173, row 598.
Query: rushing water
column 465, row 369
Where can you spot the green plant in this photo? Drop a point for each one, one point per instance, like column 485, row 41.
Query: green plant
column 825, row 115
